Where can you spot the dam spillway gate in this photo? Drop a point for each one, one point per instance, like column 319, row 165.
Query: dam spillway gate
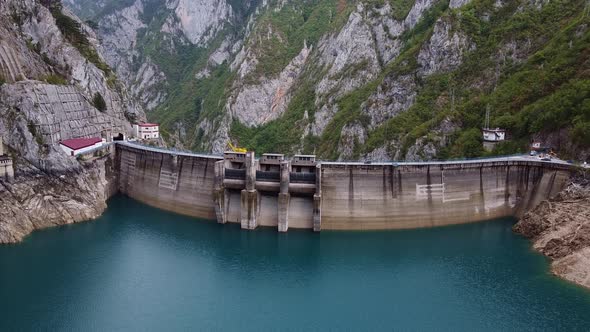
column 271, row 191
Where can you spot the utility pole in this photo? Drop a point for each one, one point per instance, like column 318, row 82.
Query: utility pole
column 487, row 121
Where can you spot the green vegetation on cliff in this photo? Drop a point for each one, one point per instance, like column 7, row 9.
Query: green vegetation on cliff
column 72, row 31
column 526, row 61
column 280, row 35
column 529, row 65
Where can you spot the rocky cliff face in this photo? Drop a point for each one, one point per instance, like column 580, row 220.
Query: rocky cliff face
column 350, row 78
column 52, row 76
column 37, row 200
column 560, row 229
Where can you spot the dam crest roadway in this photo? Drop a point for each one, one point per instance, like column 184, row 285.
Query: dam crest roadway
column 304, row 193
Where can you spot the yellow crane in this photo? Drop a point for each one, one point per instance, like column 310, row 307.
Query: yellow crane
column 236, row 149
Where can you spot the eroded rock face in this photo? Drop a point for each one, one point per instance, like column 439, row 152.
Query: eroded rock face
column 342, row 61
column 119, row 34
column 323, row 116
column 445, row 49
column 352, row 134
column 36, row 200
column 185, row 22
column 263, row 102
column 417, row 11
column 458, row 3
column 350, row 57
column 386, row 31
column 393, row 96
column 149, row 85
column 201, row 20
column 560, row 229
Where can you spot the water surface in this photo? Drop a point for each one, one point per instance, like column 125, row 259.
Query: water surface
column 139, row 268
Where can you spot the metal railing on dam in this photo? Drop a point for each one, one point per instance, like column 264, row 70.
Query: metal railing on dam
column 337, row 195
column 480, row 160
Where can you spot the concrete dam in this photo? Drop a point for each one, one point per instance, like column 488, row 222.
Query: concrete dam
column 302, row 193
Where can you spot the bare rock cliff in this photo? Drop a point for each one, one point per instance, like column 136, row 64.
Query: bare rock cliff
column 51, row 75
column 37, row 199
column 560, row 229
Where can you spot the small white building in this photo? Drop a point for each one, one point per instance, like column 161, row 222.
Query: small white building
column 494, row 135
column 76, row 146
column 147, row 130
column 6, row 167
column 303, row 164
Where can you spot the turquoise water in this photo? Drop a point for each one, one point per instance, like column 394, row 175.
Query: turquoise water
column 139, row 268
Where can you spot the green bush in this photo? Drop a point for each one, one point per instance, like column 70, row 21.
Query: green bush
column 99, row 102
column 581, row 132
column 54, row 79
column 33, row 130
column 468, row 145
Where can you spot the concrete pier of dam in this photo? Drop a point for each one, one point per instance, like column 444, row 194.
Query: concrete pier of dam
column 303, row 193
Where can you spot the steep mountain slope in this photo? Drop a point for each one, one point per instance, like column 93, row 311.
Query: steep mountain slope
column 54, row 85
column 375, row 79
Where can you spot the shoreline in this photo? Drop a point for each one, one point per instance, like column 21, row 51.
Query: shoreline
column 559, row 229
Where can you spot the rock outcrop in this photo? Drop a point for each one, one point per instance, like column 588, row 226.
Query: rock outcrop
column 560, row 229
column 37, row 199
column 349, row 56
column 48, row 97
column 445, row 49
column 119, row 33
column 201, row 20
column 257, row 104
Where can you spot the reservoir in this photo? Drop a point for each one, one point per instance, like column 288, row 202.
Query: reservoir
column 140, row 268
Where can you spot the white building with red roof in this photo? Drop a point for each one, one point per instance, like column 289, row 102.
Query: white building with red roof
column 76, row 146
column 147, row 130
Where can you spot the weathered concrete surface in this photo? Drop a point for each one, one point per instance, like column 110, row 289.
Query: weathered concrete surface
column 366, row 197
column 175, row 183
column 350, row 196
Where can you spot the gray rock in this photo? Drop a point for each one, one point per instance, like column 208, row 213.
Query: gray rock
column 445, row 49
column 351, row 135
column 415, row 14
column 393, row 96
column 323, row 116
column 458, row 3
column 263, row 102
column 201, row 20
column 350, row 57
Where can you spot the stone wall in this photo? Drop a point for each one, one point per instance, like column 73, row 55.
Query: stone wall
column 60, row 112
